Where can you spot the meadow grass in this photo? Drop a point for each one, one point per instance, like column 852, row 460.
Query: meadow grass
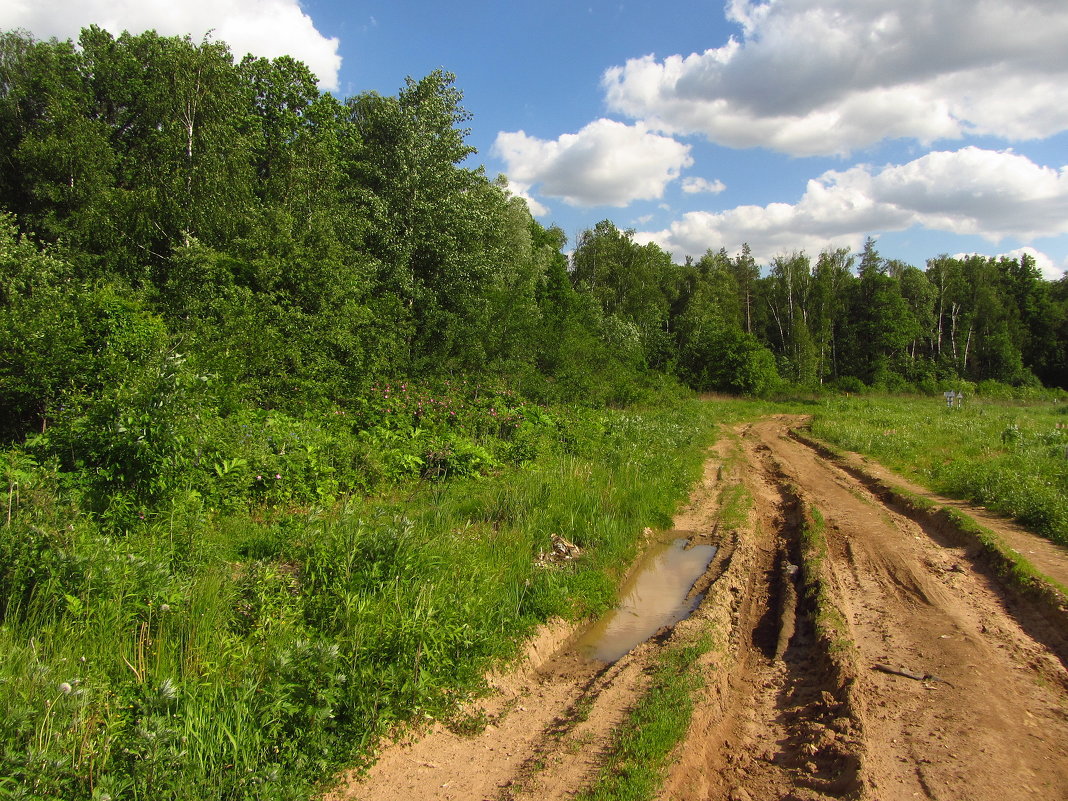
column 250, row 655
column 1009, row 457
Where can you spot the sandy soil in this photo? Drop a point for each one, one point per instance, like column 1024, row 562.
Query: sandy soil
column 785, row 714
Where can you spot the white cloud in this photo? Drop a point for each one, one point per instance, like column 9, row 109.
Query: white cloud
column 989, row 193
column 266, row 28
column 607, row 163
column 830, row 76
column 693, row 185
column 973, row 191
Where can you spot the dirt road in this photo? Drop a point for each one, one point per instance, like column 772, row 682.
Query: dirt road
column 938, row 683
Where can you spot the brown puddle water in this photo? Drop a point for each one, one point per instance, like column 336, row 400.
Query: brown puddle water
column 654, row 597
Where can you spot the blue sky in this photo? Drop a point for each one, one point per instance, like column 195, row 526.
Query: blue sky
column 937, row 126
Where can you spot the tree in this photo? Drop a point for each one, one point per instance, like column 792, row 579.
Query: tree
column 746, row 273
column 788, row 291
column 832, row 285
column 420, row 220
column 632, row 283
column 882, row 325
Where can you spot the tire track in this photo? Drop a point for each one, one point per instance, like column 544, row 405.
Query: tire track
column 780, row 723
column 822, row 582
column 996, row 727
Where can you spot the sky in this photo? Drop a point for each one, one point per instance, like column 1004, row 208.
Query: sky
column 934, row 126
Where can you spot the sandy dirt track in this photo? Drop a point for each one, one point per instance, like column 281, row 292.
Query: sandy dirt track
column 785, row 714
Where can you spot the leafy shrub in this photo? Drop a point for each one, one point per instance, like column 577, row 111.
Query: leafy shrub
column 850, row 384
column 455, row 456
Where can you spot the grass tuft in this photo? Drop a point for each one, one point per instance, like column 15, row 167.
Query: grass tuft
column 635, row 769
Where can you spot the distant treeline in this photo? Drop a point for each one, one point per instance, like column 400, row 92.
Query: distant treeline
column 170, row 211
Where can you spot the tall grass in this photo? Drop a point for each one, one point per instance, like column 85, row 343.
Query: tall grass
column 1011, row 458
column 233, row 655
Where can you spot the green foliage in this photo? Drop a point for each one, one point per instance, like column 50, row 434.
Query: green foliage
column 249, row 655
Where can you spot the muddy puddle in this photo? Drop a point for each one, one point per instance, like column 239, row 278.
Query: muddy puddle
column 655, row 596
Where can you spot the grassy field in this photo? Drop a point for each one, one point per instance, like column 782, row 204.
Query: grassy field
column 249, row 654
column 1009, row 457
column 218, row 652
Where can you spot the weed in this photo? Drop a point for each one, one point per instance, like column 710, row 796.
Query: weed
column 468, row 724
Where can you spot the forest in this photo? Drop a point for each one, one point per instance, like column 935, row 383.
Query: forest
column 225, row 294
column 301, row 249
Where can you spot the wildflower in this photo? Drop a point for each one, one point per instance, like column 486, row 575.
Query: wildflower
column 65, row 688
column 259, row 478
column 165, row 607
column 277, row 475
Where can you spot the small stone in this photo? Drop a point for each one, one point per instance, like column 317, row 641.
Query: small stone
column 739, row 794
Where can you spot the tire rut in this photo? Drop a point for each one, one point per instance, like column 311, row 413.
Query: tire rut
column 781, row 724
column 995, row 726
column 797, row 705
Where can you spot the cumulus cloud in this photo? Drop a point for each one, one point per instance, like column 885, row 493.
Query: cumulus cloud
column 266, row 28
column 994, row 194
column 607, row 163
column 693, row 185
column 827, row 77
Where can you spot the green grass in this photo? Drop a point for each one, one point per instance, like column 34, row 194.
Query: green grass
column 635, row 769
column 1008, row 457
column 234, row 655
column 831, row 626
column 735, row 502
